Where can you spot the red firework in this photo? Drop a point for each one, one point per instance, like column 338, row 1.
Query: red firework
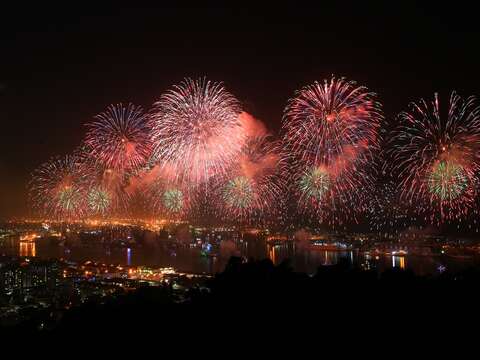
column 196, row 130
column 435, row 156
column 119, row 139
column 331, row 134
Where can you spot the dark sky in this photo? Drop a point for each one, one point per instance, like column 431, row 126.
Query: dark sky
column 61, row 65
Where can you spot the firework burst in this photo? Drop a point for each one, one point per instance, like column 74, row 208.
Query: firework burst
column 447, row 180
column 117, row 146
column 331, row 134
column 196, row 130
column 255, row 189
column 119, row 139
column 323, row 121
column 315, row 183
column 173, row 200
column 167, row 199
column 99, row 200
column 103, row 185
column 436, row 157
column 238, row 193
column 58, row 188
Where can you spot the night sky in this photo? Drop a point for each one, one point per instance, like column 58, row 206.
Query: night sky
column 60, row 66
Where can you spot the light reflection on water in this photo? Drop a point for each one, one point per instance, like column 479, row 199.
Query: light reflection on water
column 190, row 259
column 27, row 249
column 398, row 262
column 129, row 256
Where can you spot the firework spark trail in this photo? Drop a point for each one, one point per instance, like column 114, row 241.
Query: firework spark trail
column 332, row 130
column 386, row 214
column 436, row 157
column 196, row 130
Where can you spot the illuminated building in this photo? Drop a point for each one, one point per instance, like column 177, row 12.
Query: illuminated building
column 29, row 274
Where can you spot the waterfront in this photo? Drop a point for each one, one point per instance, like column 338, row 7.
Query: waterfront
column 193, row 259
column 51, row 271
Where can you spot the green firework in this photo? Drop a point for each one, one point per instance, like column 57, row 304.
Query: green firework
column 68, row 199
column 315, row 183
column 99, row 200
column 173, row 200
column 447, row 180
column 238, row 193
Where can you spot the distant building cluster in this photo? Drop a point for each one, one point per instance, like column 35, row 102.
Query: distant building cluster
column 31, row 288
column 27, row 274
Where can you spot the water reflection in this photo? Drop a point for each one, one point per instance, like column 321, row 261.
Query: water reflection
column 129, row 256
column 307, row 259
column 27, row 249
column 190, row 258
column 398, row 262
